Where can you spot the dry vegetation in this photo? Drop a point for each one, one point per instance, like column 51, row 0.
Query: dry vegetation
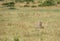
column 28, row 3
column 22, row 24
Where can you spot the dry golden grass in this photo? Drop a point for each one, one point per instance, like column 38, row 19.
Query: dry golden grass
column 24, row 22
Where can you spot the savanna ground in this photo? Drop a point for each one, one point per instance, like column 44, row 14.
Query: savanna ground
column 22, row 23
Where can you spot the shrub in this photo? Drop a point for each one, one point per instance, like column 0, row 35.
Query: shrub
column 19, row 0
column 26, row 5
column 29, row 0
column 58, row 2
column 1, row 0
column 5, row 4
column 48, row 3
column 39, row 5
column 10, row 4
column 16, row 39
column 33, row 6
column 12, row 8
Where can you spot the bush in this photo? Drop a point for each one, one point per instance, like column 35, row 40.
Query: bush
column 16, row 39
column 40, row 5
column 48, row 3
column 29, row 0
column 13, row 8
column 10, row 4
column 58, row 2
column 19, row 0
column 1, row 0
column 33, row 6
column 5, row 4
column 26, row 5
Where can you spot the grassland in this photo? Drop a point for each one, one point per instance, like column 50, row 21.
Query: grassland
column 23, row 23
